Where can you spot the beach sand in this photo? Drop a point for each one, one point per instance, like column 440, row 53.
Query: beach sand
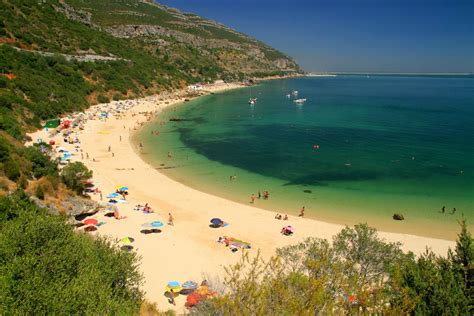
column 187, row 250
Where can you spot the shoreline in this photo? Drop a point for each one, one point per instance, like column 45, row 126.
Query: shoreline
column 166, row 256
column 186, row 166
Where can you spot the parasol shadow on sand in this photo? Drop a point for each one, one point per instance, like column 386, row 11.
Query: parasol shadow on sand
column 127, row 248
column 150, row 231
column 90, row 228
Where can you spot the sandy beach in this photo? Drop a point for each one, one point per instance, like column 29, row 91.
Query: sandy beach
column 188, row 249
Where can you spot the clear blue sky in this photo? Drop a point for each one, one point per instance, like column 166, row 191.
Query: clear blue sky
column 354, row 35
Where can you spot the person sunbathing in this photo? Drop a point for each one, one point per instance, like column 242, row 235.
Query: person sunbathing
column 148, row 210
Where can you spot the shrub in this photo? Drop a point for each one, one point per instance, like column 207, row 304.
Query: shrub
column 12, row 169
column 74, row 175
column 359, row 274
column 39, row 192
column 48, row 269
column 103, row 99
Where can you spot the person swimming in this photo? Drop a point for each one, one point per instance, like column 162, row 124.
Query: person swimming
column 302, row 212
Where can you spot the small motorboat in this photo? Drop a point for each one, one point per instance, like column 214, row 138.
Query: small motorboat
column 300, row 101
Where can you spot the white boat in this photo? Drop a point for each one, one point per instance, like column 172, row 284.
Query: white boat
column 252, row 101
column 299, row 101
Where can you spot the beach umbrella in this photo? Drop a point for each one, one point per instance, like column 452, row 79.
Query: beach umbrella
column 193, row 299
column 127, row 240
column 217, row 221
column 290, row 228
column 112, row 208
column 90, row 221
column 112, row 195
column 173, row 285
column 189, row 285
column 156, row 224
column 121, row 188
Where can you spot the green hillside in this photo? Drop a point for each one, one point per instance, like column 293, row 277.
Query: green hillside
column 61, row 56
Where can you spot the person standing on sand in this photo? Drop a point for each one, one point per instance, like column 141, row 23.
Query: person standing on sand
column 172, row 301
column 252, row 199
column 443, row 209
column 170, row 219
column 302, row 212
column 109, row 148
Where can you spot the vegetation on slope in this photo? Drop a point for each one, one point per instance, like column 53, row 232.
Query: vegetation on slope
column 41, row 79
column 358, row 274
column 47, row 268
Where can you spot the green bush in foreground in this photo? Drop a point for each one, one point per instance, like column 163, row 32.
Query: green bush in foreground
column 48, row 269
column 358, row 274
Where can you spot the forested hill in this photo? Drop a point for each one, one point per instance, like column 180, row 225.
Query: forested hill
column 58, row 56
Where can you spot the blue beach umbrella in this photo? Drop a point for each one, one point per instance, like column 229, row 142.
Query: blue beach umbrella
column 156, row 224
column 216, row 221
column 112, row 195
column 189, row 285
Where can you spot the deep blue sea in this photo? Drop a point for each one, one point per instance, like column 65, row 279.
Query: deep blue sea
column 359, row 150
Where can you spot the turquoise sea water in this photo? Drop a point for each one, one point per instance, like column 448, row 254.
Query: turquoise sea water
column 387, row 144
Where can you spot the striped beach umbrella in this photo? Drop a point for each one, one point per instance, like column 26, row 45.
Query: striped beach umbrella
column 112, row 208
column 173, row 285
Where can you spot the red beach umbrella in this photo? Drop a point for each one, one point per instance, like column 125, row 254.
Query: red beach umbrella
column 90, row 221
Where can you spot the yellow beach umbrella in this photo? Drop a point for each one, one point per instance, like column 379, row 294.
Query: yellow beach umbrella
column 127, row 240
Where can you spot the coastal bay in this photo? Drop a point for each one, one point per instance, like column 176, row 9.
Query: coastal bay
column 188, row 249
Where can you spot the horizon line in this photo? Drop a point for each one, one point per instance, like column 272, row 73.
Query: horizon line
column 391, row 73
